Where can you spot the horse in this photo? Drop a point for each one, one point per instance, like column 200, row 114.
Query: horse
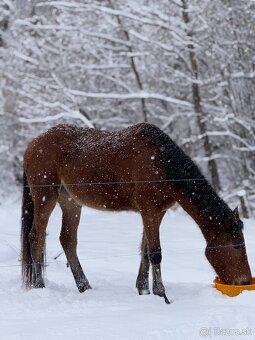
column 139, row 169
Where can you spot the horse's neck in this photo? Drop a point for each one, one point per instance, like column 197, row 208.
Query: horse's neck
column 203, row 204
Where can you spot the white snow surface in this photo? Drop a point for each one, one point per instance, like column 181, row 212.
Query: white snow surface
column 109, row 253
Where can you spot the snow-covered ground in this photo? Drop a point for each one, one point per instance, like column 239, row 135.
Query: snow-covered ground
column 109, row 253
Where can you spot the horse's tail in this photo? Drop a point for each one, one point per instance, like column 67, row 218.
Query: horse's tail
column 27, row 218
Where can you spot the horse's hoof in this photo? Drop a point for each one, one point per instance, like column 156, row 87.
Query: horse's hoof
column 166, row 299
column 161, row 293
column 143, row 291
column 39, row 285
column 83, row 287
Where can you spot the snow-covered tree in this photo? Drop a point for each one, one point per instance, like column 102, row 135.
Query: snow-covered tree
column 185, row 65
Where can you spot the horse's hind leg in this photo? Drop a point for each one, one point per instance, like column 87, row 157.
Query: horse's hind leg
column 151, row 221
column 44, row 202
column 68, row 238
column 142, row 281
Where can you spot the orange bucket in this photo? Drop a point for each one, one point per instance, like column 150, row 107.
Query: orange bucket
column 232, row 290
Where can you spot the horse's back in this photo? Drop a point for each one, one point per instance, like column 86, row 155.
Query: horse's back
column 101, row 169
column 65, row 143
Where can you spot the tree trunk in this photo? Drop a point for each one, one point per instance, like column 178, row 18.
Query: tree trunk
column 212, row 166
column 133, row 67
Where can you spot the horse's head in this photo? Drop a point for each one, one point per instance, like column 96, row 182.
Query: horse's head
column 227, row 253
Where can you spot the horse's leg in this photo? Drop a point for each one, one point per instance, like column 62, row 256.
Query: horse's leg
column 142, row 281
column 151, row 221
column 38, row 258
column 44, row 203
column 68, row 238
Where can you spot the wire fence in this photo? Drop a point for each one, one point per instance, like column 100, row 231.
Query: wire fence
column 98, row 183
column 116, row 182
column 236, row 246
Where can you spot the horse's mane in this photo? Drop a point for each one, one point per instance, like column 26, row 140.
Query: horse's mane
column 195, row 186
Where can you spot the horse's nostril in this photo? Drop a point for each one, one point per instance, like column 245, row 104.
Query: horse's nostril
column 245, row 283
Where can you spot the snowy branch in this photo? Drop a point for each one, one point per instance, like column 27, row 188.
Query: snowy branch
column 128, row 96
column 71, row 114
column 71, row 29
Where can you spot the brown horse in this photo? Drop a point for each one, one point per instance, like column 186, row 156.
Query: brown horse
column 139, row 169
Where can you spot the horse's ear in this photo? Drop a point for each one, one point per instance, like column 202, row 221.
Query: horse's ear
column 236, row 213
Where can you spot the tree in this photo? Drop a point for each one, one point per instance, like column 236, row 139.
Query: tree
column 186, row 65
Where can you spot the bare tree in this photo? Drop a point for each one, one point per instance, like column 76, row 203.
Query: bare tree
column 187, row 66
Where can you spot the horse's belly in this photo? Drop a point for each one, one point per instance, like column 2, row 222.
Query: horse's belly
column 102, row 196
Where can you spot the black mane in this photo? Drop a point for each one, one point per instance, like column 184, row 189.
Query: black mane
column 188, row 179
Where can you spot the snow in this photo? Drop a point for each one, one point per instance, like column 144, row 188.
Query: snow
column 109, row 253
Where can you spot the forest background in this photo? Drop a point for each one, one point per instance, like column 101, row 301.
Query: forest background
column 187, row 66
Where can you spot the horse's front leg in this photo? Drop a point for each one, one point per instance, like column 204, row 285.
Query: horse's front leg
column 152, row 222
column 158, row 286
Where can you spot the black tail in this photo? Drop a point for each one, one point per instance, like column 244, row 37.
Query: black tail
column 27, row 219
